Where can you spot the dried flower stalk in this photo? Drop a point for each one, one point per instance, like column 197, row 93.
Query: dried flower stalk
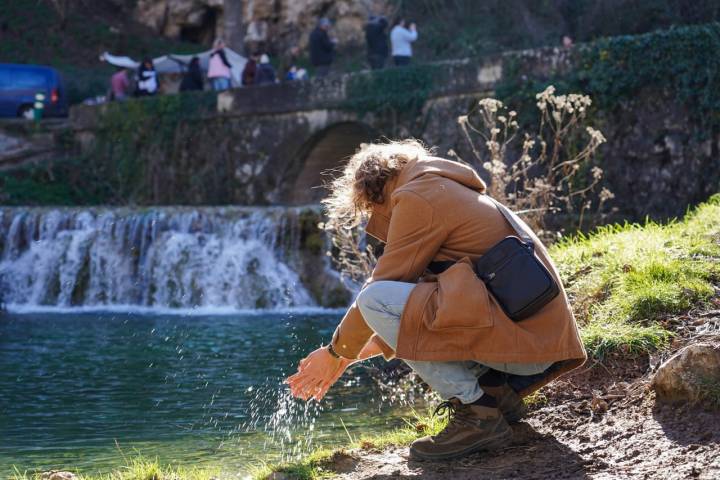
column 545, row 178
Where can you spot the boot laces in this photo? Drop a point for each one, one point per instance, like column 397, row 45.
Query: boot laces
column 459, row 416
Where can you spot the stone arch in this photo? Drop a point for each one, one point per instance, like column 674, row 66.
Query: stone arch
column 328, row 149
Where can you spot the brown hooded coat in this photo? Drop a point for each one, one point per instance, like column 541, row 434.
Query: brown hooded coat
column 436, row 210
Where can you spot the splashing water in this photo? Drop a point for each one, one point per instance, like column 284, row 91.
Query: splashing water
column 290, row 429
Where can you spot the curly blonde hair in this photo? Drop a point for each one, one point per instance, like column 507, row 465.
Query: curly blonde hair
column 362, row 181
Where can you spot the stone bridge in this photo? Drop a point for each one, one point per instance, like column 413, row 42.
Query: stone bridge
column 304, row 129
column 274, row 142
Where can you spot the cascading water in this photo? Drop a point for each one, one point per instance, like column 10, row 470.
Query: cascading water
column 162, row 258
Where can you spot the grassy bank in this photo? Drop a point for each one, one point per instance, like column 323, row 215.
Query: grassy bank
column 317, row 464
column 623, row 281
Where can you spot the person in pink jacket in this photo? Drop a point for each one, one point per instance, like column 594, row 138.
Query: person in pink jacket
column 219, row 68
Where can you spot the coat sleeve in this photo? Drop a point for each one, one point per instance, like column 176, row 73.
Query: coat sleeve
column 414, row 237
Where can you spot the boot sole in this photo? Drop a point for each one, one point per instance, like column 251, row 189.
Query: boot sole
column 496, row 442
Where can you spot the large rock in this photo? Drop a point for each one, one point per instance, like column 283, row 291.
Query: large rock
column 170, row 17
column 692, row 375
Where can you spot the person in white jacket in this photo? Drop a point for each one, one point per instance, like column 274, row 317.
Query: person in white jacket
column 401, row 39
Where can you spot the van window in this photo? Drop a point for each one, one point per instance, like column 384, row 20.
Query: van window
column 23, row 79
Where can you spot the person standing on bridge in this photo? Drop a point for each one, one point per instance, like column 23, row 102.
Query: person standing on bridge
column 401, row 38
column 377, row 42
column 193, row 78
column 429, row 302
column 219, row 68
column 147, row 79
column 322, row 48
column 265, row 72
column 119, row 85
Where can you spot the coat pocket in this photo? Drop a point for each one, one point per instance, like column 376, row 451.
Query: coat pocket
column 462, row 299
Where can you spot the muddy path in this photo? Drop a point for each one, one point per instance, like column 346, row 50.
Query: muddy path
column 602, row 422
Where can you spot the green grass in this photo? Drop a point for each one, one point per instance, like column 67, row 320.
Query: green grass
column 138, row 468
column 623, row 280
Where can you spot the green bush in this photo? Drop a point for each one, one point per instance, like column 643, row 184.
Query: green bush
column 403, row 89
column 679, row 63
column 134, row 141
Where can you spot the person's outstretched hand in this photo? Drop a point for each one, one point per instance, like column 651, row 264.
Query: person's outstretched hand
column 316, row 374
column 320, row 370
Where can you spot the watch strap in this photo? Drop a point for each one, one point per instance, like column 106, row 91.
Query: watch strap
column 332, row 351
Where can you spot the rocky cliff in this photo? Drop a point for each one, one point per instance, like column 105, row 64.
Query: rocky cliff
column 275, row 25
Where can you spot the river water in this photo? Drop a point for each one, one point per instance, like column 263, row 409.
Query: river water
column 189, row 390
column 211, row 311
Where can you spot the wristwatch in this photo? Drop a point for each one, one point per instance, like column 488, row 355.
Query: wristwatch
column 332, row 350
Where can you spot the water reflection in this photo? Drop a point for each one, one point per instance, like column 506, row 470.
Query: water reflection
column 189, row 390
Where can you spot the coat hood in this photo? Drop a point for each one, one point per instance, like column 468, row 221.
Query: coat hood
column 458, row 172
column 379, row 221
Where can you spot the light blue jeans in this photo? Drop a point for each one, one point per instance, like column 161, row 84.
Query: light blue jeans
column 382, row 304
column 220, row 84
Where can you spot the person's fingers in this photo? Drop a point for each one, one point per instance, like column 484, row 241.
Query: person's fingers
column 305, row 383
column 302, row 383
column 299, row 382
column 303, row 363
column 301, row 391
column 325, row 385
column 322, row 390
column 295, row 377
column 310, row 390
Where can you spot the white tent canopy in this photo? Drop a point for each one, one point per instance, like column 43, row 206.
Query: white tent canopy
column 178, row 63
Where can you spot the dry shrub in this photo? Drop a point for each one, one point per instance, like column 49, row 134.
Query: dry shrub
column 551, row 171
column 350, row 252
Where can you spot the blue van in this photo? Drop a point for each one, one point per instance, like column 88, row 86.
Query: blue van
column 20, row 83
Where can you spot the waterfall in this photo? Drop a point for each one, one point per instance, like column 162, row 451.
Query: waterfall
column 237, row 258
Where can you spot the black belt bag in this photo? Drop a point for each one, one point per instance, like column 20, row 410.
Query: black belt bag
column 519, row 282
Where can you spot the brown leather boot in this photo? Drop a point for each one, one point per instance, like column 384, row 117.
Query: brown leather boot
column 509, row 402
column 471, row 428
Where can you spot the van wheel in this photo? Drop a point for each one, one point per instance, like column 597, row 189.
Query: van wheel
column 26, row 112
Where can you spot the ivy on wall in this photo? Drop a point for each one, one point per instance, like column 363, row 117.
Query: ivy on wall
column 133, row 143
column 404, row 89
column 683, row 63
column 134, row 137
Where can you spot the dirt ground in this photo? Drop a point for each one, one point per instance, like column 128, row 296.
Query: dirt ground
column 601, row 422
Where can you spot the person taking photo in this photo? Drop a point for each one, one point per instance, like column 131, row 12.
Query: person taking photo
column 402, row 37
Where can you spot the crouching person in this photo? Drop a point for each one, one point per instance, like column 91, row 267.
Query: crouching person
column 426, row 303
